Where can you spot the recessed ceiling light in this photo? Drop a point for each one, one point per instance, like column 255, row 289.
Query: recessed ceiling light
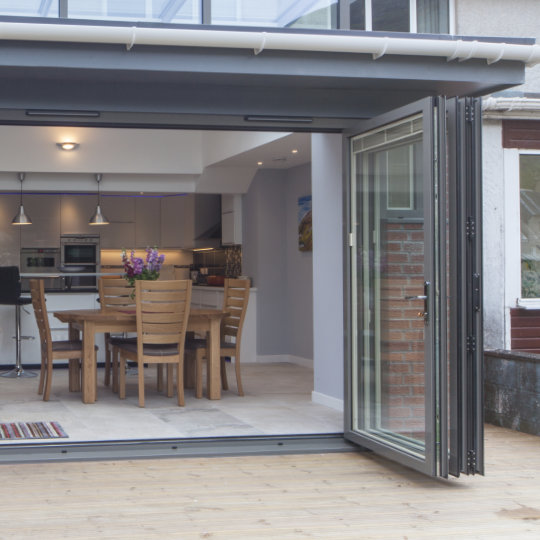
column 294, row 151
column 67, row 146
column 259, row 163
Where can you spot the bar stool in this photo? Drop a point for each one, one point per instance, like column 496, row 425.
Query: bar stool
column 10, row 294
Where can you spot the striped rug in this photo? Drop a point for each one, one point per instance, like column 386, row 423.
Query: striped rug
column 31, row 430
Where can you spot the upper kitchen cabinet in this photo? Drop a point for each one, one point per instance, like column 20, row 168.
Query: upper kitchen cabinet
column 121, row 213
column 44, row 211
column 231, row 219
column 10, row 246
column 75, row 212
column 148, row 222
column 178, row 221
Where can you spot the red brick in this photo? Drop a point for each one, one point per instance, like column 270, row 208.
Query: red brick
column 413, row 379
column 399, row 368
column 399, row 412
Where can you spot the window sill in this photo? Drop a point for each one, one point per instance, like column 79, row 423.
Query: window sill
column 528, row 303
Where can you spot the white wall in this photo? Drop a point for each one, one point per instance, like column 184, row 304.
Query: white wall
column 493, row 236
column 328, row 326
column 501, row 18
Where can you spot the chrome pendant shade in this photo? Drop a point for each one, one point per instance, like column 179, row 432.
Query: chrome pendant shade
column 98, row 218
column 21, row 218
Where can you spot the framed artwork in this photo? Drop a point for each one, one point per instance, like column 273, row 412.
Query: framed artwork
column 305, row 242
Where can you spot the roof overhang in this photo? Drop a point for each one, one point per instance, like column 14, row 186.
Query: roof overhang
column 81, row 74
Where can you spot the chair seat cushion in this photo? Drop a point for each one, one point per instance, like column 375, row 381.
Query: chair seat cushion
column 67, row 345
column 116, row 341
column 150, row 349
column 197, row 343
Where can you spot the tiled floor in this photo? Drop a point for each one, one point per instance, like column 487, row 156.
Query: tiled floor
column 277, row 402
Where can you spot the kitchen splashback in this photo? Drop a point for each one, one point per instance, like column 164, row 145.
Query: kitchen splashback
column 225, row 261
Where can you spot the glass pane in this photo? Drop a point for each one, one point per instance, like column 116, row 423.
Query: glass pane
column 391, row 15
column 529, row 175
column 167, row 11
column 29, row 8
column 358, row 14
column 276, row 13
column 432, row 16
column 389, row 270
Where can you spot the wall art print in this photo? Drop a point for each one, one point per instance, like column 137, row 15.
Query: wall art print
column 305, row 242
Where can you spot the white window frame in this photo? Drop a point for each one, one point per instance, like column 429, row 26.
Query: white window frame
column 413, row 24
column 512, row 230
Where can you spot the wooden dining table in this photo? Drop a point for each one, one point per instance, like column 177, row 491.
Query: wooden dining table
column 93, row 321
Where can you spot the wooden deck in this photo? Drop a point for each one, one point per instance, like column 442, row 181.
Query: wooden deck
column 356, row 495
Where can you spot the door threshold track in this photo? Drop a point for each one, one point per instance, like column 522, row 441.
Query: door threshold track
column 168, row 448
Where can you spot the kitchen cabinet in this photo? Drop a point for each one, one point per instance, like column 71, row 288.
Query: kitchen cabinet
column 120, row 233
column 231, row 220
column 75, row 212
column 9, row 246
column 44, row 211
column 147, row 222
column 178, row 221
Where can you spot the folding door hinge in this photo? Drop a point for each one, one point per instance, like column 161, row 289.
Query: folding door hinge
column 471, row 343
column 469, row 113
column 470, row 228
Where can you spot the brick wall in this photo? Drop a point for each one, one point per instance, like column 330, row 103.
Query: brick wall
column 525, row 330
column 402, row 331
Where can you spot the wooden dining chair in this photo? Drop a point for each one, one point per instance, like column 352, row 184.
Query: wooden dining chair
column 162, row 310
column 114, row 294
column 52, row 350
column 235, row 302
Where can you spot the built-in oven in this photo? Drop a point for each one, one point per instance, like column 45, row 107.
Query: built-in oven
column 40, row 262
column 79, row 254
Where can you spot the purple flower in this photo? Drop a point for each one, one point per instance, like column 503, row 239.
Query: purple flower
column 136, row 268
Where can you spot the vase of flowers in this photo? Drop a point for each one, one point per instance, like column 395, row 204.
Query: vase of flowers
column 137, row 268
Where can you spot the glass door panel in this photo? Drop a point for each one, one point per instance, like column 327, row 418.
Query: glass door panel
column 393, row 288
column 414, row 357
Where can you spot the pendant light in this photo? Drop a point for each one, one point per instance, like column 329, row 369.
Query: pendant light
column 21, row 218
column 98, row 218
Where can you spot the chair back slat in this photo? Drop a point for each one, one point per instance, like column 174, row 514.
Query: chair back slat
column 164, row 296
column 37, row 292
column 162, row 311
column 115, row 293
column 235, row 301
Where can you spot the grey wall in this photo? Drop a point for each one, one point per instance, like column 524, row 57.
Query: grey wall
column 299, row 264
column 518, row 18
column 281, row 274
column 328, row 327
column 264, row 257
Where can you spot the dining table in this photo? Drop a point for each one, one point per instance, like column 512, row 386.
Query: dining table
column 90, row 322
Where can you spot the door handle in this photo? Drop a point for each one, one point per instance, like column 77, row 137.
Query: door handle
column 425, row 297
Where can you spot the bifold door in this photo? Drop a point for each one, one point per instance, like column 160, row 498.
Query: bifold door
column 414, row 306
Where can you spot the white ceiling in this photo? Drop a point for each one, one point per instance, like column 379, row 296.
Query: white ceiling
column 144, row 159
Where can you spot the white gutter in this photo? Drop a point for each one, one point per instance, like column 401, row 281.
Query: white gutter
column 259, row 41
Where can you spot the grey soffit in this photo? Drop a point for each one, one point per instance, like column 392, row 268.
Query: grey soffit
column 231, row 83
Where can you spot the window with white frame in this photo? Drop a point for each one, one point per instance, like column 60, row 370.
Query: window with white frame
column 419, row 16
column 529, row 180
